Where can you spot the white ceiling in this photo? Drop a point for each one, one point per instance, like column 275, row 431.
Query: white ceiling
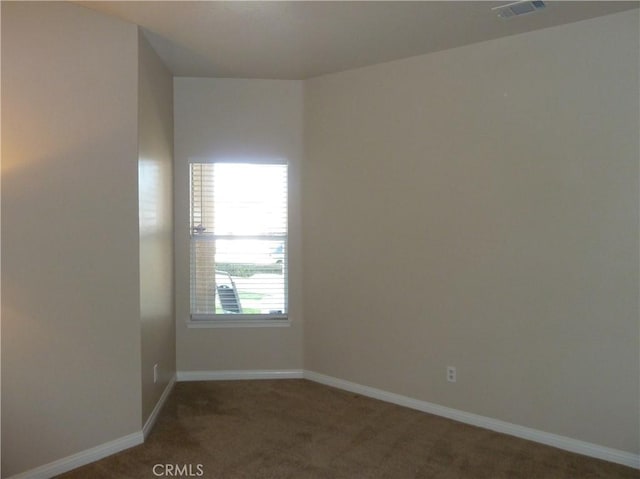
column 297, row 40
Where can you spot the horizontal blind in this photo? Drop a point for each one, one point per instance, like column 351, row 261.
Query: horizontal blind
column 238, row 239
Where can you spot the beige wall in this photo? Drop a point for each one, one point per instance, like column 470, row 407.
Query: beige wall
column 244, row 119
column 478, row 207
column 70, row 298
column 155, row 194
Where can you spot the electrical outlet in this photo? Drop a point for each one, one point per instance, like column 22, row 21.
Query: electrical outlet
column 155, row 373
column 451, row 374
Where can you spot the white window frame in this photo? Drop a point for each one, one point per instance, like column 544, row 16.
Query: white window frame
column 217, row 320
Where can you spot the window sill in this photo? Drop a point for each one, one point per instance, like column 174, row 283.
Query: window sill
column 238, row 323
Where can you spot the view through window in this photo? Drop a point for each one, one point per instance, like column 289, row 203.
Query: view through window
column 238, row 241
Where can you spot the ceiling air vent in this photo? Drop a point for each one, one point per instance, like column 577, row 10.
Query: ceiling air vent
column 518, row 8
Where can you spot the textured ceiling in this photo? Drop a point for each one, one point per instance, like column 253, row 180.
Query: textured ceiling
column 297, row 40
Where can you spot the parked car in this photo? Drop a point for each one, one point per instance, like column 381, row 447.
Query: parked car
column 278, row 254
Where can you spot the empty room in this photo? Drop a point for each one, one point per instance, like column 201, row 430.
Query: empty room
column 308, row 239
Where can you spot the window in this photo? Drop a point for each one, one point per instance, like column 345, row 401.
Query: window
column 238, row 241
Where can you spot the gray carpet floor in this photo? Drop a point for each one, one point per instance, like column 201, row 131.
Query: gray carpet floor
column 300, row 429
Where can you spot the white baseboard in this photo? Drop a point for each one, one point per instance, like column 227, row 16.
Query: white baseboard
column 151, row 420
column 239, row 375
column 99, row 452
column 82, row 458
column 561, row 442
